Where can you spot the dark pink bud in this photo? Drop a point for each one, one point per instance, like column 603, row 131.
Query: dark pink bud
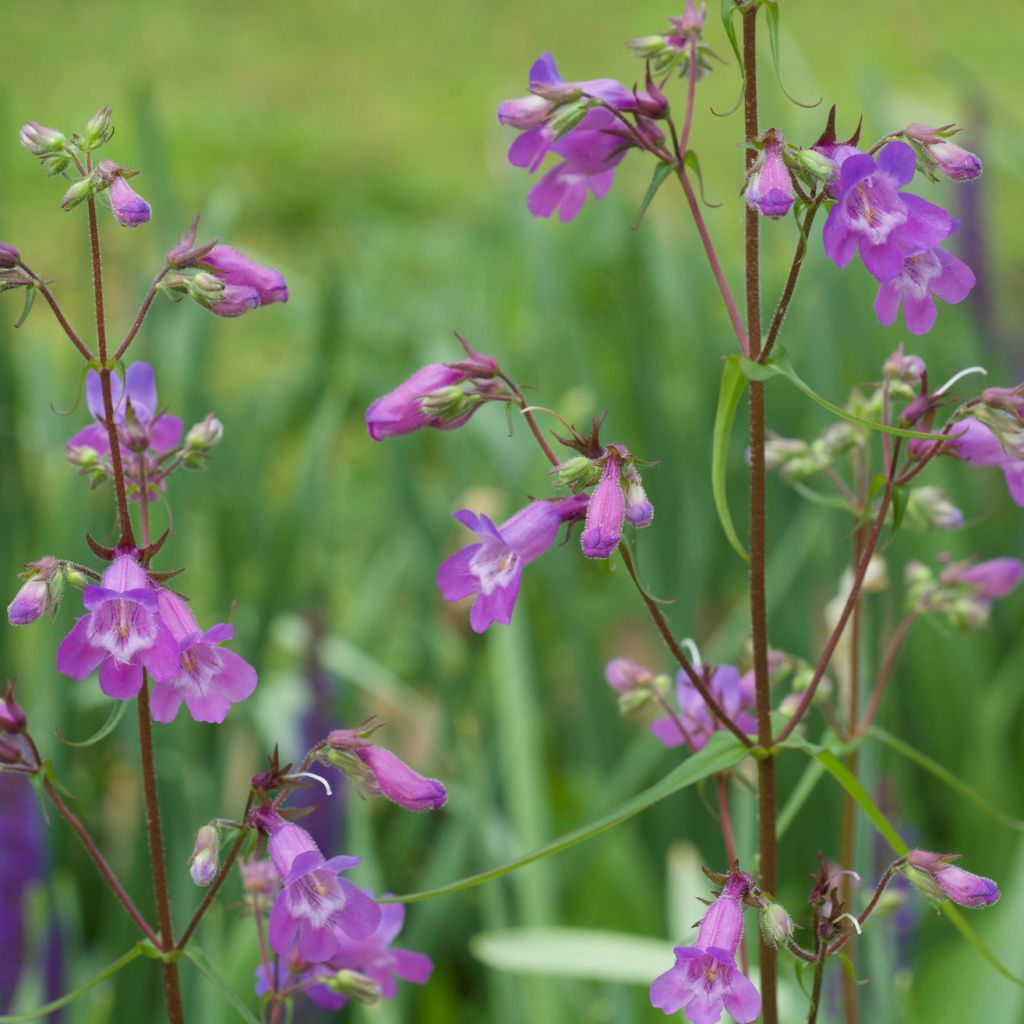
column 234, row 268
column 12, row 718
column 770, row 187
column 938, row 880
column 9, row 256
column 605, row 511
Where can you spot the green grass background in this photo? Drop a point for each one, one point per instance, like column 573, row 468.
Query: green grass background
column 354, row 145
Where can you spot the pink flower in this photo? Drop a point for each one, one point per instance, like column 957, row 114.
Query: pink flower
column 378, row 772
column 934, row 272
column 938, row 880
column 238, row 272
column 129, row 207
column 606, row 510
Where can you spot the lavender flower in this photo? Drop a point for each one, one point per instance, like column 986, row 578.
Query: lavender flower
column 129, row 207
column 938, row 152
column 238, row 271
column 493, row 568
column 938, row 880
column 639, row 510
column 934, row 272
column 606, row 511
column 705, row 979
column 209, row 678
column 378, row 772
column 40, row 593
column 625, row 674
column 203, row 862
column 735, row 695
column 770, row 186
column 429, row 398
column 122, row 633
column 979, row 446
column 314, row 905
column 872, row 214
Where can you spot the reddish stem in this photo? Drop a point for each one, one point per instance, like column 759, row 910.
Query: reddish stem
column 141, row 315
column 215, row 885
column 58, row 313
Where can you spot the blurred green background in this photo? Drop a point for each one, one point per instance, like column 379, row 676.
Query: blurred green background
column 354, row 146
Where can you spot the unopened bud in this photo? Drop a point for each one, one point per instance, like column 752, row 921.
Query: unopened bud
column 79, row 192
column 40, row 140
column 9, row 256
column 40, row 594
column 203, row 862
column 577, row 473
column 75, row 576
column 99, row 130
column 12, row 718
column 639, row 510
column 776, row 924
column 448, row 404
column 82, row 456
column 567, row 116
column 647, row 46
column 15, row 278
column 355, row 984
column 260, row 881
column 814, row 164
column 135, row 431
column 204, row 287
column 205, row 435
column 929, row 508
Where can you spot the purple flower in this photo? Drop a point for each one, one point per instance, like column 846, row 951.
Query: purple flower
column 994, row 578
column 979, row 446
column 314, row 905
column 770, row 187
column 381, row 773
column 935, row 272
column 590, row 153
column 493, row 568
column 122, row 633
column 40, row 593
column 141, row 426
column 408, row 407
column 735, row 695
column 548, row 93
column 938, row 880
column 872, row 215
column 209, row 678
column 129, row 207
column 239, row 273
column 12, row 718
column 606, row 510
column 625, row 674
column 938, row 152
column 705, row 979
column 202, row 864
column 9, row 256
column 639, row 510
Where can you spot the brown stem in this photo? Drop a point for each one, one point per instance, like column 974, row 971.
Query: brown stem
column 123, row 516
column 528, row 416
column 851, row 600
column 172, row 987
column 790, row 287
column 819, row 973
column 58, row 313
column 100, row 861
column 885, row 670
column 141, row 315
column 679, row 654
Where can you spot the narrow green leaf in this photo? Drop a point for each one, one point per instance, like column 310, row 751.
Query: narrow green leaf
column 70, row 997
column 779, row 365
column 899, row 507
column 962, row 926
column 723, row 751
column 117, row 710
column 771, row 12
column 583, row 953
column 692, row 161
column 947, row 777
column 729, row 394
column 198, row 957
column 30, row 301
column 661, row 172
column 728, row 9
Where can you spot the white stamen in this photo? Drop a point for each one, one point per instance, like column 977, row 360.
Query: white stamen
column 856, row 923
column 312, row 775
column 693, row 650
column 956, row 376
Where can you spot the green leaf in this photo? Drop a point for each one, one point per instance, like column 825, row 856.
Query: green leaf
column 30, row 300
column 70, row 997
column 661, row 172
column 962, row 926
column 730, row 392
column 573, row 953
column 947, row 777
column 723, row 751
column 728, row 9
column 771, row 13
column 117, row 710
column 692, row 161
column 779, row 365
column 198, row 957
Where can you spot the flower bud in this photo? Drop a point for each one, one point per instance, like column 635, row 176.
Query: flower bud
column 1009, row 400
column 929, row 508
column 47, row 144
column 776, row 924
column 691, row 21
column 12, row 718
column 448, row 404
column 770, row 186
column 204, row 287
column 935, row 149
column 79, row 192
column 99, row 130
column 938, row 880
column 355, row 984
column 606, row 510
column 130, row 209
column 203, row 862
column 625, row 674
column 639, row 511
column 205, row 435
column 82, row 456
column 814, row 164
column 9, row 256
column 40, row 594
column 647, row 46
column 75, row 576
column 577, row 473
column 904, row 368
column 260, row 881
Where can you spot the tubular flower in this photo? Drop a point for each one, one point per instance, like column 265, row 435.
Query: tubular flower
column 378, row 772
column 705, row 979
column 122, row 633
column 493, row 568
column 237, row 270
column 314, row 905
column 431, row 397
column 130, row 209
column 938, row 880
column 606, row 510
column 938, row 152
column 873, row 216
column 770, row 187
column 210, row 679
column 979, row 445
column 735, row 695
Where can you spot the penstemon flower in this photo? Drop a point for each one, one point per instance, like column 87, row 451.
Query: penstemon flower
column 934, row 272
column 734, row 693
column 936, row 878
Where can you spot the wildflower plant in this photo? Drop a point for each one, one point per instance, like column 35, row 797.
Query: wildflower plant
column 320, row 935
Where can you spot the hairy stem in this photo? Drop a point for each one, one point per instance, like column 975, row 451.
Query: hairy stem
column 530, row 419
column 214, row 887
column 141, row 315
column 172, row 987
column 819, row 973
column 100, row 861
column 123, row 517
